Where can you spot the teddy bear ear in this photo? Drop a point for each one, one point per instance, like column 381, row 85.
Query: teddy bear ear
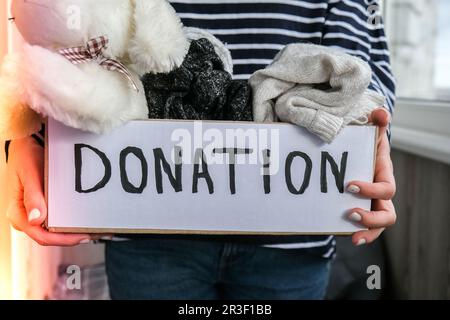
column 159, row 43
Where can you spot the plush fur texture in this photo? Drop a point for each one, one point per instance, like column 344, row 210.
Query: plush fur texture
column 86, row 96
column 159, row 44
column 17, row 120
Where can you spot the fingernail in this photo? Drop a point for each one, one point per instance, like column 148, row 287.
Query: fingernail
column 355, row 216
column 34, row 215
column 361, row 242
column 353, row 189
column 85, row 241
column 108, row 238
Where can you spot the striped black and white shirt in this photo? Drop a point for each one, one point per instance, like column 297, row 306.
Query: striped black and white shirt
column 256, row 30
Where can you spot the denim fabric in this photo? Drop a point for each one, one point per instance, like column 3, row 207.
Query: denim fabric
column 166, row 269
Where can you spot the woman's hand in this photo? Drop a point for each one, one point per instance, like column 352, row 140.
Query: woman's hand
column 27, row 209
column 381, row 191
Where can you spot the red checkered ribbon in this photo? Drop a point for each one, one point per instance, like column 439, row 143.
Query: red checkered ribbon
column 94, row 51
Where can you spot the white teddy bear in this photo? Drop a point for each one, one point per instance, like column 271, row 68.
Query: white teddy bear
column 82, row 61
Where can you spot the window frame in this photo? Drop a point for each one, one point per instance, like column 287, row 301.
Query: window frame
column 420, row 127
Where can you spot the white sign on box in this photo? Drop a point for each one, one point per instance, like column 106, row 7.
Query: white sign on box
column 205, row 177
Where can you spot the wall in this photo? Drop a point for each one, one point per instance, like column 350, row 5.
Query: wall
column 418, row 247
column 5, row 269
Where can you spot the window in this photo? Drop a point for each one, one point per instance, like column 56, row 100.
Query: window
column 419, row 36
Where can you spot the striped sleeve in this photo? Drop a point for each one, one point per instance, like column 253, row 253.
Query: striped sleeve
column 356, row 27
column 38, row 137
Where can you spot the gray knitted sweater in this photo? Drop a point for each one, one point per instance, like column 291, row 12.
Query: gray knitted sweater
column 316, row 87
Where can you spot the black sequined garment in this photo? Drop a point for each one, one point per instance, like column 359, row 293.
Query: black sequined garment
column 199, row 89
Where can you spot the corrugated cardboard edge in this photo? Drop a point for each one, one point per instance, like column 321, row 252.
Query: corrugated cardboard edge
column 46, row 172
column 375, row 152
column 179, row 232
column 186, row 232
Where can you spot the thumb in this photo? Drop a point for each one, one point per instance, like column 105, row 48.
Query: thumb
column 33, row 197
column 381, row 117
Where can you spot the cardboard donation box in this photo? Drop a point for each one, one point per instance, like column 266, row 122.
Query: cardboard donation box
column 205, row 178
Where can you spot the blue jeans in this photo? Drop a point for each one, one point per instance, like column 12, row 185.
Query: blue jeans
column 200, row 270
